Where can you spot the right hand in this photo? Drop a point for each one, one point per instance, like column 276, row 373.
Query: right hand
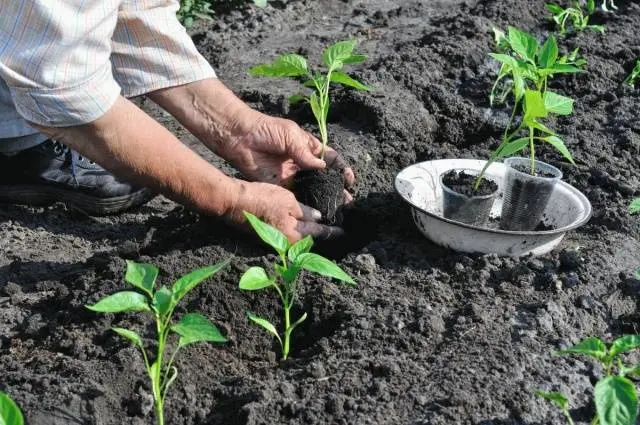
column 278, row 207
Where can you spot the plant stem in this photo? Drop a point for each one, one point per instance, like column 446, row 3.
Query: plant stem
column 157, row 378
column 287, row 334
column 568, row 416
column 533, row 152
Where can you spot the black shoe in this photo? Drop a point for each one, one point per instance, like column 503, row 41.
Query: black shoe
column 52, row 172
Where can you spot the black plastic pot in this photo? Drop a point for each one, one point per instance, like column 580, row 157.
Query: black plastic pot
column 526, row 195
column 474, row 209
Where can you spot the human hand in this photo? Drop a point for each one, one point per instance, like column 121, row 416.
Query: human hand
column 278, row 207
column 269, row 149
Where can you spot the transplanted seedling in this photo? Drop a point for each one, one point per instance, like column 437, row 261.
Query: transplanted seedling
column 615, row 395
column 160, row 304
column 632, row 78
column 527, row 66
column 634, row 208
column 10, row 413
column 293, row 260
column 334, row 58
column 574, row 18
column 190, row 10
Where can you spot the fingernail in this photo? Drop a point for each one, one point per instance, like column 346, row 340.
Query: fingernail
column 315, row 214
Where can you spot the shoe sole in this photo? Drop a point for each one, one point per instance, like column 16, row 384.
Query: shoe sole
column 40, row 196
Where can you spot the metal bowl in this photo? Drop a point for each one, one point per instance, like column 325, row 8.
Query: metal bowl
column 420, row 187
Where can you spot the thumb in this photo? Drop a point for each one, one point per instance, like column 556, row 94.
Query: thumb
column 305, row 152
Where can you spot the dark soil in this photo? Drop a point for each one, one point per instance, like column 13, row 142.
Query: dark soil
column 322, row 190
column 464, row 183
column 428, row 336
column 538, row 173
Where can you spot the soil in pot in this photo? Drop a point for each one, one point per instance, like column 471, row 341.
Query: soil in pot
column 462, row 201
column 526, row 195
column 322, row 190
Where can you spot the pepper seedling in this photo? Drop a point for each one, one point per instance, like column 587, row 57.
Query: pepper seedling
column 293, row 260
column 634, row 208
column 574, row 17
column 633, row 76
column 160, row 304
column 10, row 413
column 529, row 66
column 334, row 58
column 615, row 395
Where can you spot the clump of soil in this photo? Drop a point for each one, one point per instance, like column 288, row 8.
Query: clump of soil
column 463, row 183
column 322, row 190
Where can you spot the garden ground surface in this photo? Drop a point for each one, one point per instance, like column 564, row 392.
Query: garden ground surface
column 428, row 336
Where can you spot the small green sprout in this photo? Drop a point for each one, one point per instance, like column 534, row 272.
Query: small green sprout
column 10, row 413
column 334, row 58
column 190, row 10
column 615, row 395
column 634, row 208
column 293, row 259
column 632, row 78
column 528, row 66
column 574, row 17
column 160, row 304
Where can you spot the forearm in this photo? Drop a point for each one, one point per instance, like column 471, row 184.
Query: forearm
column 209, row 110
column 133, row 146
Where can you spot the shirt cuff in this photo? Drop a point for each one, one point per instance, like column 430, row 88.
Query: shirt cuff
column 68, row 106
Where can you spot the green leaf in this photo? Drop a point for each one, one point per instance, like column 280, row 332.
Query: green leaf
column 345, row 80
column 162, row 301
column 194, row 327
column 558, row 104
column 130, row 335
column 591, row 347
column 314, row 100
column 120, row 302
column 142, row 276
column 624, row 344
column 265, row 324
column 354, row 59
column 534, row 105
column 555, row 9
column 260, row 3
column 556, row 398
column 538, row 126
column 318, row 264
column 289, row 65
column 634, row 208
column 335, row 55
column 10, row 413
column 616, row 401
column 558, row 143
column 296, row 324
column 513, row 147
column 523, row 43
column 565, row 68
column 548, row 53
column 269, row 234
column 254, row 279
column 301, row 247
column 189, row 281
column 289, row 274
column 297, row 98
column 504, row 59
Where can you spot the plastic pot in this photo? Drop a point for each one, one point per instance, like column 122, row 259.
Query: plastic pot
column 466, row 209
column 526, row 195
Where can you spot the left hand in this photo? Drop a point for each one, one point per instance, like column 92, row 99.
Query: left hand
column 273, row 149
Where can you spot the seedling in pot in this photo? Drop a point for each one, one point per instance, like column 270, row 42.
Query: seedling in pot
column 285, row 279
column 615, row 395
column 160, row 304
column 328, row 196
column 10, row 413
column 632, row 78
column 575, row 17
column 464, row 202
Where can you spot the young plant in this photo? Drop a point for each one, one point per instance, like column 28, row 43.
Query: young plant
column 633, row 76
column 10, row 413
column 615, row 395
column 334, row 58
column 284, row 281
column 529, row 65
column 634, row 208
column 190, row 10
column 160, row 304
column 574, row 17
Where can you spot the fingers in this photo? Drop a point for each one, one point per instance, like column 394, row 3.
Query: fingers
column 334, row 160
column 309, row 214
column 302, row 150
column 318, row 231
